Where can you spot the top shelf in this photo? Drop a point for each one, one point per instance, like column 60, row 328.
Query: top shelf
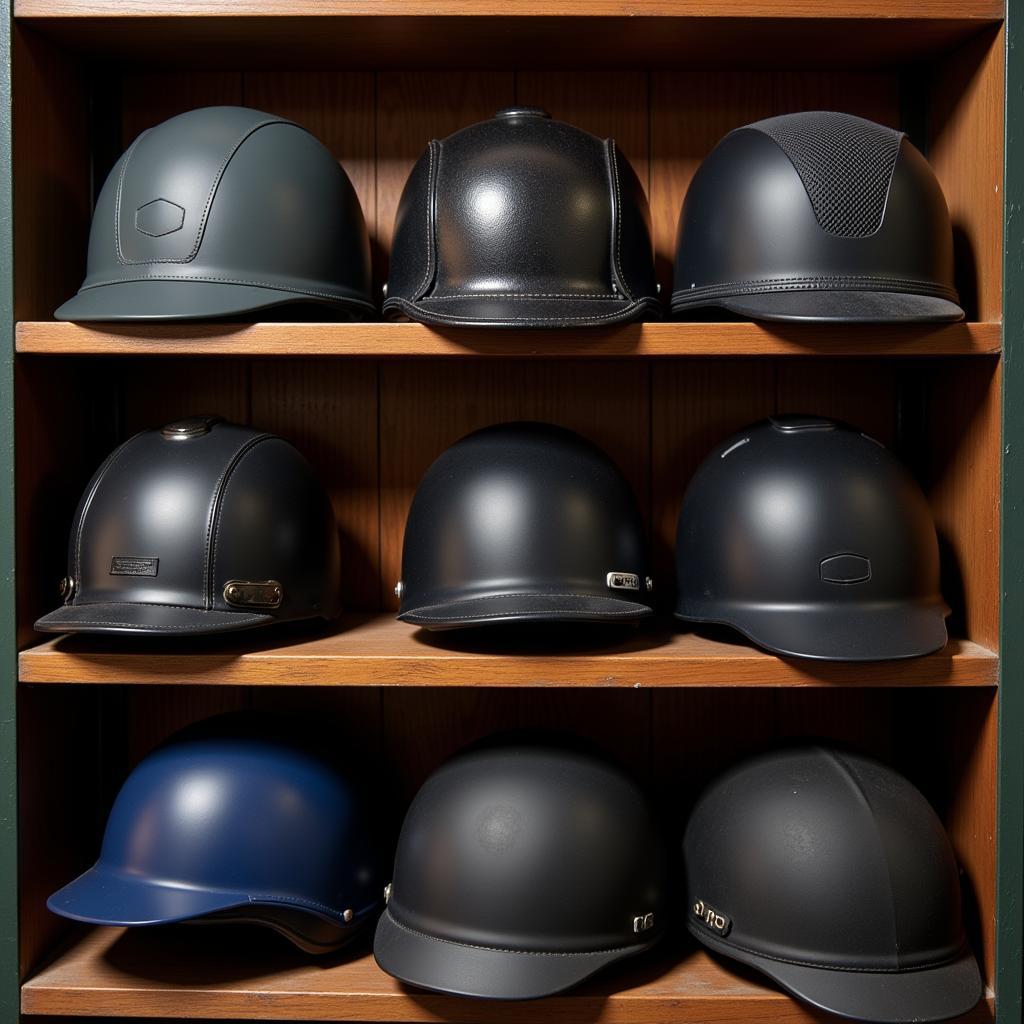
column 482, row 33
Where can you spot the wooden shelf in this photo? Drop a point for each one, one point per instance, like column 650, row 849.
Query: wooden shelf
column 385, row 340
column 490, row 33
column 199, row 975
column 377, row 650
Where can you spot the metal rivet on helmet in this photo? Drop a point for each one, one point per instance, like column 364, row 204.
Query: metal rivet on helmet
column 816, row 216
column 813, row 541
column 224, row 528
column 520, row 871
column 522, row 221
column 191, row 224
column 852, row 901
column 198, row 831
column 526, row 522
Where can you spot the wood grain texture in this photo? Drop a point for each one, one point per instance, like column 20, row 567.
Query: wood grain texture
column 425, row 408
column 328, row 410
column 388, row 341
column 376, row 650
column 113, row 973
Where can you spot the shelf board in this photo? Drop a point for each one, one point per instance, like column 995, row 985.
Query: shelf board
column 493, row 33
column 118, row 974
column 387, row 340
column 377, row 650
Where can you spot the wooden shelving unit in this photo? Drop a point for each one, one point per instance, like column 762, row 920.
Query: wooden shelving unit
column 379, row 651
column 371, row 405
column 105, row 975
column 387, row 340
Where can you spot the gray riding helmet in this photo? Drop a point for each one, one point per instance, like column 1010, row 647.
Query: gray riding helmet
column 816, row 216
column 223, row 211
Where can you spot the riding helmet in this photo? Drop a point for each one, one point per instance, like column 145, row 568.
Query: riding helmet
column 522, row 221
column 223, row 211
column 200, row 527
column 830, row 873
column 811, row 539
column 523, row 522
column 237, row 820
column 816, row 216
column 520, row 871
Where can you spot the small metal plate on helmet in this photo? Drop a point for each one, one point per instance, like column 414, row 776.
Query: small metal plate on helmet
column 714, row 921
column 192, row 426
column 643, row 923
column 247, row 594
column 623, row 581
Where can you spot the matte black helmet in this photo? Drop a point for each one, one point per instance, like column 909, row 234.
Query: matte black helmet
column 831, row 873
column 816, row 216
column 811, row 539
column 526, row 522
column 236, row 821
column 200, row 527
column 519, row 872
column 522, row 221
column 223, row 211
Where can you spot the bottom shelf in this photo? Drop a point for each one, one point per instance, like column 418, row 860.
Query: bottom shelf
column 236, row 973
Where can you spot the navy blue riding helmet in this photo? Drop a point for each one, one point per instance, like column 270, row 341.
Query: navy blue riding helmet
column 230, row 822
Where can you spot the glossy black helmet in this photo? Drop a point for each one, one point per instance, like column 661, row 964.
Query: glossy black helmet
column 223, row 211
column 200, row 527
column 831, row 873
column 523, row 522
column 237, row 820
column 520, row 871
column 811, row 539
column 522, row 221
column 816, row 216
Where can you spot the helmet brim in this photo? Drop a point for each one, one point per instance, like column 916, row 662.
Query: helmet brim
column 891, row 997
column 841, row 306
column 441, row 965
column 875, row 633
column 500, row 311
column 182, row 299
column 148, row 620
column 483, row 611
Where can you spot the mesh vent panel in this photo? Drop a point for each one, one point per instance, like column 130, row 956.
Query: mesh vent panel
column 845, row 163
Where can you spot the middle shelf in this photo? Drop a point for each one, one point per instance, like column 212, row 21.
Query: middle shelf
column 377, row 650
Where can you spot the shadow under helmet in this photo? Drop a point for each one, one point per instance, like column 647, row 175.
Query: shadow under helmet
column 816, row 216
column 522, row 221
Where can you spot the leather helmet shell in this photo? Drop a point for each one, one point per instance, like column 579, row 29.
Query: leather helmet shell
column 830, row 873
column 520, row 871
column 223, row 211
column 816, row 216
column 201, row 527
column 235, row 821
column 811, row 539
column 523, row 522
column 522, row 221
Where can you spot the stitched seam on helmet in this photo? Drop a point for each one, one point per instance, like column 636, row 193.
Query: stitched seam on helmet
column 117, row 197
column 228, row 280
column 837, row 282
column 619, row 315
column 216, row 506
column 610, row 151
column 303, row 904
column 201, row 229
column 430, row 220
column 525, row 295
column 136, row 625
column 803, row 963
column 104, row 469
column 502, row 949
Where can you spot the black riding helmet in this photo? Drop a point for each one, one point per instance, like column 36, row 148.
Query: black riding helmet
column 523, row 522
column 816, row 216
column 831, row 874
column 522, row 221
column 811, row 539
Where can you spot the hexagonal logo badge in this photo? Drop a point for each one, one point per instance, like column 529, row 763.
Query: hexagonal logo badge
column 159, row 217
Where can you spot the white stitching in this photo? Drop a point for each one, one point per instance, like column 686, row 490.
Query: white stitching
column 622, row 314
column 430, row 220
column 117, row 200
column 140, row 626
column 209, row 198
column 614, row 166
column 767, row 284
